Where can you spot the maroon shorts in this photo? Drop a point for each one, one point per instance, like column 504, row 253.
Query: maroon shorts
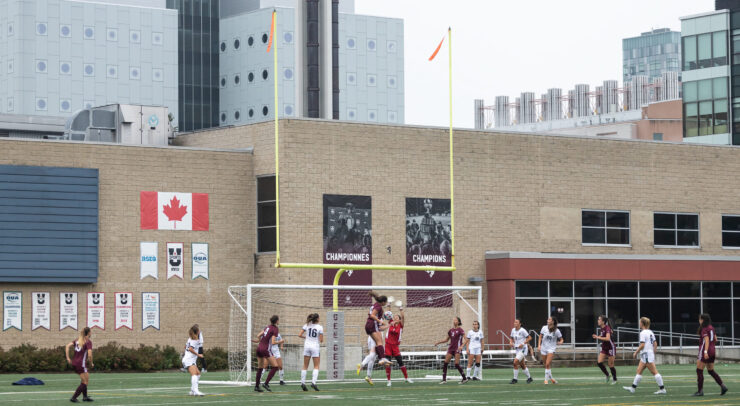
column 79, row 369
column 371, row 326
column 453, row 352
column 609, row 352
column 264, row 353
column 392, row 350
column 709, row 359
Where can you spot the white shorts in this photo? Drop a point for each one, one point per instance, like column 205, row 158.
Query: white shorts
column 275, row 351
column 312, row 352
column 647, row 357
column 475, row 351
column 546, row 351
column 187, row 362
column 371, row 345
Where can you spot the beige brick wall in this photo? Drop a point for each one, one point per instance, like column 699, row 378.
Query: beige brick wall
column 125, row 171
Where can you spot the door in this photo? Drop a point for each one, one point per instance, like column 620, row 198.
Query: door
column 562, row 309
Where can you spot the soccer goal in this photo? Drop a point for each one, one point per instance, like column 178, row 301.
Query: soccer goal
column 428, row 311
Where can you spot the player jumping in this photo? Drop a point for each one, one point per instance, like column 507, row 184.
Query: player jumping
column 608, row 349
column 519, row 341
column 647, row 348
column 372, row 326
column 369, row 360
column 550, row 338
column 706, row 355
column 392, row 342
column 455, row 337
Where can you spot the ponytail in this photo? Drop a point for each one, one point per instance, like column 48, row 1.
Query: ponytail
column 554, row 324
column 378, row 298
column 82, row 339
column 312, row 318
column 274, row 319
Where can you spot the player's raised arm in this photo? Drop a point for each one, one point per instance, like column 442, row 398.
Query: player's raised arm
column 443, row 341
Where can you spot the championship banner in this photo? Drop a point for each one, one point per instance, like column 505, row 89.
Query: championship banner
column 124, row 310
column 67, row 310
column 348, row 240
column 41, row 311
column 12, row 310
column 175, row 263
column 149, row 263
column 149, row 310
column 428, row 242
column 96, row 310
column 174, row 211
column 200, row 257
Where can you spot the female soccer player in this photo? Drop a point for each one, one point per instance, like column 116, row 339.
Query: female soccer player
column 455, row 337
column 550, row 338
column 647, row 349
column 519, row 341
column 392, row 342
column 275, row 350
column 608, row 349
column 267, row 338
column 190, row 359
column 372, row 325
column 369, row 360
column 706, row 355
column 201, row 350
column 314, row 335
column 82, row 352
column 474, row 348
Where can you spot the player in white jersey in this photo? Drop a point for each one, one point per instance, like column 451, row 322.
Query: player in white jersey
column 647, row 348
column 314, row 335
column 369, row 360
column 275, row 351
column 201, row 351
column 474, row 347
column 550, row 338
column 519, row 341
column 190, row 359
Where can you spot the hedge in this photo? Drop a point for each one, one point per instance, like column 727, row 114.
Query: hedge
column 108, row 357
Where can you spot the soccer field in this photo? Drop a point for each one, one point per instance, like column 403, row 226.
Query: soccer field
column 578, row 386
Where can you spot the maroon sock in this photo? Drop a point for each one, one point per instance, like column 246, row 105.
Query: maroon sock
column 614, row 372
column 700, row 379
column 460, row 370
column 444, row 371
column 259, row 376
column 603, row 368
column 84, row 390
column 388, row 372
column 77, row 391
column 716, row 377
column 380, row 352
column 270, row 374
column 405, row 373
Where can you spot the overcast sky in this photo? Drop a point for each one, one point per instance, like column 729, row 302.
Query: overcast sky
column 508, row 47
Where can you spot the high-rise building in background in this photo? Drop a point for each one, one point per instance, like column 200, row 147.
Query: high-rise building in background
column 651, row 54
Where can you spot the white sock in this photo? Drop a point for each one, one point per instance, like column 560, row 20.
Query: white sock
column 282, row 374
column 467, row 372
column 637, row 380
column 368, row 358
column 314, row 376
column 264, row 371
column 475, row 371
column 659, row 380
column 526, row 372
column 193, row 383
column 303, row 377
column 516, row 374
column 548, row 374
column 370, row 368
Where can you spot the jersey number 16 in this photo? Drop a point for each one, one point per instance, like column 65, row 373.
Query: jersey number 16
column 312, row 332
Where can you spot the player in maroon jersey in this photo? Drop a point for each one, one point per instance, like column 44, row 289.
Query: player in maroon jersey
column 455, row 336
column 392, row 343
column 706, row 355
column 82, row 353
column 267, row 338
column 372, row 326
column 608, row 349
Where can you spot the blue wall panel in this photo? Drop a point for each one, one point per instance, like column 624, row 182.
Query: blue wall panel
column 48, row 224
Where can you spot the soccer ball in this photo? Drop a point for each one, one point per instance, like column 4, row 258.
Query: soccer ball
column 388, row 315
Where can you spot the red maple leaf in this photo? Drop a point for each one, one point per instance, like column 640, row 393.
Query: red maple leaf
column 174, row 211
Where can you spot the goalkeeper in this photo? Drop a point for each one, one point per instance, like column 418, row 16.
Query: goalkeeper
column 393, row 341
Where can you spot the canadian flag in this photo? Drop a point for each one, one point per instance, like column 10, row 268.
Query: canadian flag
column 174, row 211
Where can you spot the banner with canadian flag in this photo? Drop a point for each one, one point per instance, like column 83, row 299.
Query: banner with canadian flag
column 174, row 211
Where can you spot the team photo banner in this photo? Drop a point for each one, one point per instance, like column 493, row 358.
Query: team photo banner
column 41, row 311
column 148, row 260
column 428, row 242
column 124, row 310
column 174, row 211
column 67, row 310
column 348, row 240
column 175, row 262
column 96, row 310
column 150, row 310
column 200, row 258
column 12, row 310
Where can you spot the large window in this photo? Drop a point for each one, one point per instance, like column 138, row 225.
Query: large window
column 704, row 50
column 731, row 231
column 266, row 224
column 602, row 227
column 705, row 107
column 676, row 229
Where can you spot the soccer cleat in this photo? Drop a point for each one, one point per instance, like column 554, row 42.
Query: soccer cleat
column 266, row 386
column 534, row 359
column 629, row 388
column 87, row 399
column 316, row 388
column 475, row 378
column 203, row 371
column 614, row 382
column 724, row 389
column 388, row 384
column 303, row 386
column 73, row 400
column 660, row 392
column 282, row 383
column 258, row 389
column 553, row 381
column 408, row 380
column 369, row 381
column 443, row 382
column 463, row 381
column 530, row 380
column 359, row 368
column 183, row 369
column 198, row 393
column 191, row 393
column 513, row 381
column 700, row 393
column 608, row 378
column 547, row 382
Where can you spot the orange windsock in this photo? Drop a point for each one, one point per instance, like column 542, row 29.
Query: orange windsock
column 272, row 31
column 436, row 51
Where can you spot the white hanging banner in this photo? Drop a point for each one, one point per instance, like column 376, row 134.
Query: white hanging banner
column 67, row 310
column 124, row 310
column 12, row 310
column 175, row 260
column 150, row 310
column 148, row 260
column 199, row 252
column 96, row 310
column 41, row 314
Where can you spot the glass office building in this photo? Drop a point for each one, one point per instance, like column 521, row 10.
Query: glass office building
column 651, row 54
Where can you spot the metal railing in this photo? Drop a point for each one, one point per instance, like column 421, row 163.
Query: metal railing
column 626, row 337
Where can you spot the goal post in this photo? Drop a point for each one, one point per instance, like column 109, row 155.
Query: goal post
column 428, row 311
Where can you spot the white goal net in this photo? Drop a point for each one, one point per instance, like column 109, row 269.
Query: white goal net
column 428, row 311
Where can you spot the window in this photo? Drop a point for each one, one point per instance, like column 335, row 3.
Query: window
column 676, row 229
column 719, row 48
column 730, row 231
column 735, row 47
column 266, row 224
column 657, row 136
column 706, row 50
column 531, row 288
column 706, row 107
column 601, row 227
